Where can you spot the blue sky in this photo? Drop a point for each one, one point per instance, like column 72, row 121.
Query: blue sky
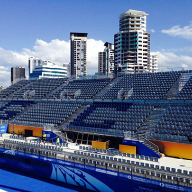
column 41, row 28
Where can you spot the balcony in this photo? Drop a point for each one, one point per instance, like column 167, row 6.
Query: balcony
column 127, row 55
column 133, row 43
column 130, row 60
column 133, row 39
column 134, row 47
column 133, row 35
column 129, row 28
column 130, row 52
column 124, row 44
column 135, row 19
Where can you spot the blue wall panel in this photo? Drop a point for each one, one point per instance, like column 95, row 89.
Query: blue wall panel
column 3, row 128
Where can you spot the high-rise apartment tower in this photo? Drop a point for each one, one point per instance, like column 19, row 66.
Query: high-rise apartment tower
column 132, row 43
column 106, row 60
column 78, row 54
column 17, row 73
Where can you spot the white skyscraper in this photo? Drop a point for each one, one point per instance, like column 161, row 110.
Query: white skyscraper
column 106, row 60
column 78, row 54
column 32, row 63
column 132, row 43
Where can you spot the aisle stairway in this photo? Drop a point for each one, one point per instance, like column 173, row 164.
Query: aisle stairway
column 51, row 94
column 62, row 136
column 178, row 86
column 142, row 134
column 64, row 125
column 152, row 120
column 107, row 88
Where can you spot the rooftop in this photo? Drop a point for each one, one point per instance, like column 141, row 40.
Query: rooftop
column 132, row 12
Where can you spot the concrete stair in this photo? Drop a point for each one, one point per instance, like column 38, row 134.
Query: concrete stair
column 107, row 88
column 64, row 125
column 178, row 86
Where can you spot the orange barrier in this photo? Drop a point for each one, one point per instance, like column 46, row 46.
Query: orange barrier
column 127, row 149
column 175, row 149
column 100, row 145
column 20, row 129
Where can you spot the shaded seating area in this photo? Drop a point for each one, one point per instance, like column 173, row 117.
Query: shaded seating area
column 117, row 116
column 39, row 88
column 186, row 92
column 8, row 92
column 81, row 89
column 144, row 85
column 48, row 112
column 10, row 109
column 176, row 123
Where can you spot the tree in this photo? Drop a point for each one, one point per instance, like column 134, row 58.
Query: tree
column 1, row 88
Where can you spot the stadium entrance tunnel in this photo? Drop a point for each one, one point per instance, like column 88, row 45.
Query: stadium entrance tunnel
column 87, row 138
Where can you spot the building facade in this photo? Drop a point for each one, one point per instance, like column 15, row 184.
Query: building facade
column 17, row 73
column 132, row 43
column 68, row 66
column 78, row 54
column 39, row 69
column 106, row 60
column 32, row 63
column 153, row 67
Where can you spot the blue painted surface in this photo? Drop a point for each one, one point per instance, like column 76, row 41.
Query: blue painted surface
column 3, row 128
column 141, row 149
column 80, row 175
column 50, row 135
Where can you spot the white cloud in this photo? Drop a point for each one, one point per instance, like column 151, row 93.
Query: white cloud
column 5, row 77
column 185, row 32
column 152, row 30
column 169, row 61
column 12, row 58
column 93, row 47
column 57, row 51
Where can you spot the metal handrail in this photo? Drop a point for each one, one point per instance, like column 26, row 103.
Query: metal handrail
column 51, row 139
column 161, row 144
column 156, row 148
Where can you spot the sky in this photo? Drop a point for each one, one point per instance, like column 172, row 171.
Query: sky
column 41, row 28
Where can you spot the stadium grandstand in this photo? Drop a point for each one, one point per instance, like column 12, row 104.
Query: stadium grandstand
column 153, row 108
column 156, row 103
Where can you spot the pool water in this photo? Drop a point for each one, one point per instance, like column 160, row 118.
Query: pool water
column 13, row 181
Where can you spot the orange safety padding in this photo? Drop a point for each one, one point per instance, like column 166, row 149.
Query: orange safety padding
column 99, row 145
column 37, row 131
column 176, row 149
column 127, row 149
